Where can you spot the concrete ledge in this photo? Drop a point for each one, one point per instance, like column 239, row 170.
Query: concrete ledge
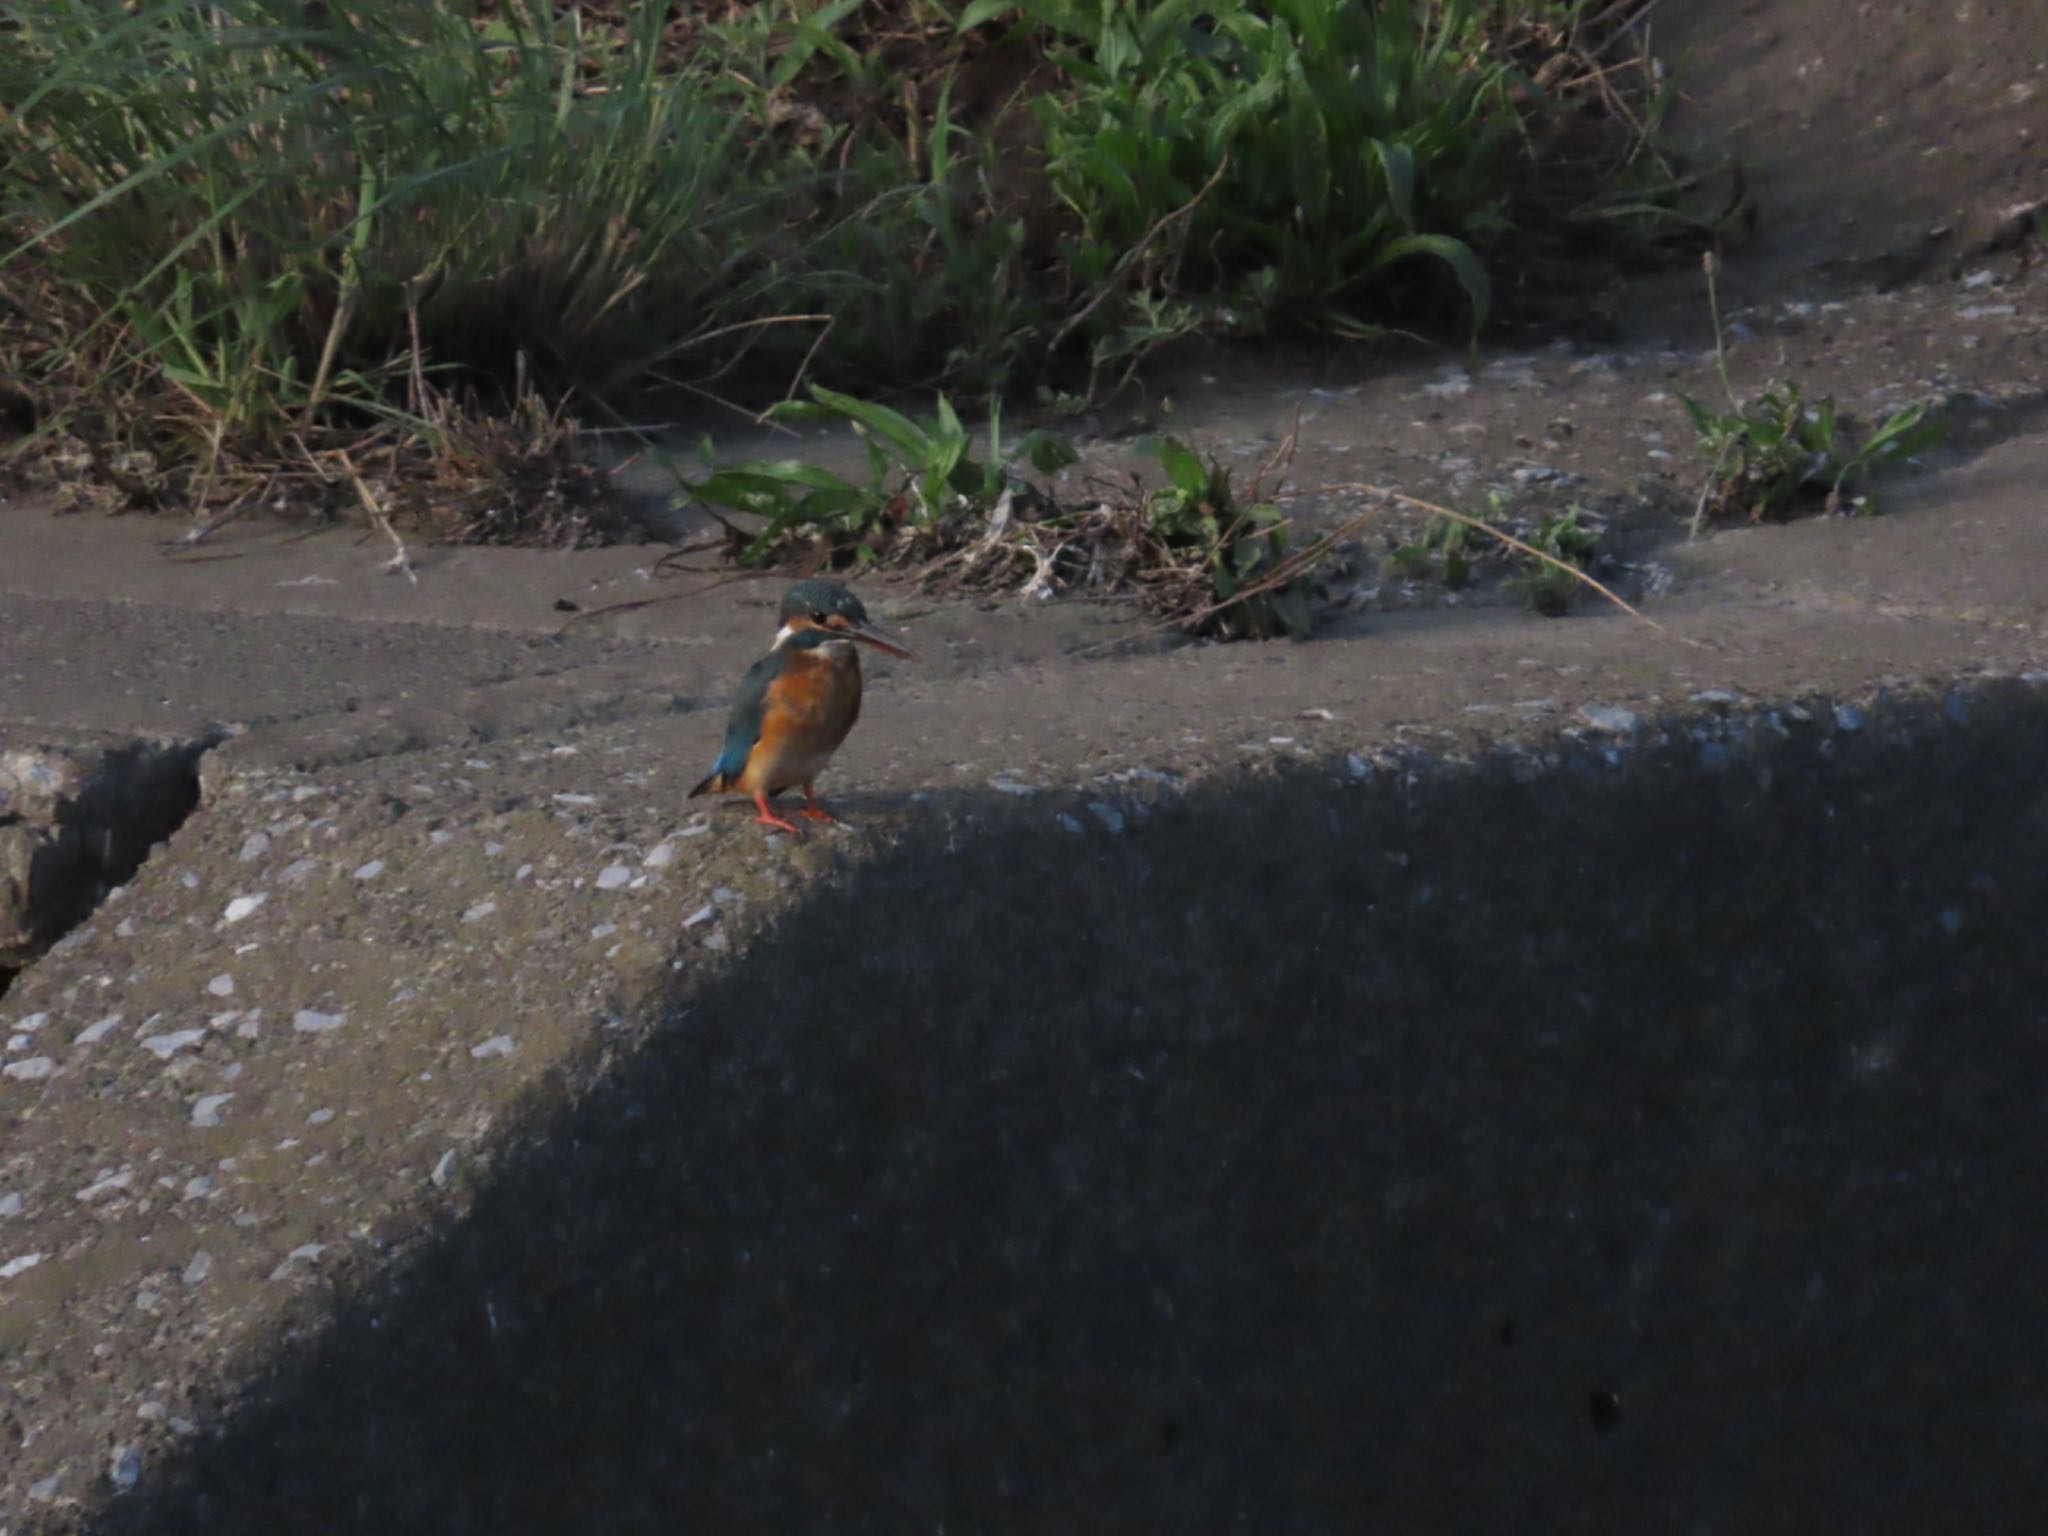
column 1576, row 1139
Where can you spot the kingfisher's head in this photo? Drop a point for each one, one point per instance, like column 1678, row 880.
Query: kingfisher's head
column 819, row 612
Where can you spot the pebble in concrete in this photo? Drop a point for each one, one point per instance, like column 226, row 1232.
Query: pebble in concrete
column 124, row 1468
column 306, row 1253
column 1611, row 717
column 97, row 1031
column 244, row 906
column 309, row 1021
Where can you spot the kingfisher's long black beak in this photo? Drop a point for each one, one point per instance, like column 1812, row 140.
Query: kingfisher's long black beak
column 879, row 638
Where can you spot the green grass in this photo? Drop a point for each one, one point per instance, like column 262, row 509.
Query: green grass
column 1191, row 549
column 240, row 239
column 1448, row 548
column 1776, row 455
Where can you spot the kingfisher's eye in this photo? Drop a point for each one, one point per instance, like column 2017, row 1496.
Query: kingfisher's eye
column 818, row 617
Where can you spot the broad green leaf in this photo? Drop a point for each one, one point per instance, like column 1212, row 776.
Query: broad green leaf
column 909, row 440
column 1048, row 451
column 1181, row 464
column 1456, row 255
column 1397, row 161
column 1290, row 604
column 983, row 11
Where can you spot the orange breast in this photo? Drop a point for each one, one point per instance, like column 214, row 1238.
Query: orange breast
column 810, row 707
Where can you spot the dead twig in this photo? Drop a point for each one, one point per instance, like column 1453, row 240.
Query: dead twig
column 1482, row 526
column 1130, row 260
column 400, row 561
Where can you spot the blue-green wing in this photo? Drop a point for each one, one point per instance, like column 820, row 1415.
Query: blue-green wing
column 749, row 707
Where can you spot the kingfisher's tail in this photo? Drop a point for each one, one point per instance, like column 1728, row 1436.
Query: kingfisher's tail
column 716, row 783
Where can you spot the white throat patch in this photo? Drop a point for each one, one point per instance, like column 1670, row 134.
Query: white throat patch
column 838, row 647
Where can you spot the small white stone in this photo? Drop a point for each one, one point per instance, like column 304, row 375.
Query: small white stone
column 11, row 1204
column 1317, row 714
column 200, row 1267
column 661, row 855
column 245, row 906
column 575, row 799
column 163, row 1047
column 254, row 847
column 497, row 1045
column 124, row 1468
column 32, row 1023
column 297, row 870
column 199, row 1187
column 20, row 1264
column 612, row 876
column 206, row 1112
column 444, row 1165
column 94, row 1033
column 703, row 914
column 308, row 1021
column 308, row 1253
column 371, row 870
column 1611, row 717
column 1010, row 786
column 480, row 911
column 222, row 985
column 320, row 1117
column 46, row 1490
column 107, row 1184
column 604, row 930
column 34, row 1069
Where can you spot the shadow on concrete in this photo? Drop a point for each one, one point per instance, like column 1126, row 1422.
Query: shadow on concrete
column 1639, row 1149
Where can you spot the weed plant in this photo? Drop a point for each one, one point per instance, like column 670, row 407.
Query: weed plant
column 1771, row 457
column 246, row 243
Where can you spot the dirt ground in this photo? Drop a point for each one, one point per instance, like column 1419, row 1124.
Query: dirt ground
column 1180, row 1086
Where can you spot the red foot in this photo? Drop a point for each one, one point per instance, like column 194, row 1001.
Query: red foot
column 768, row 818
column 812, row 809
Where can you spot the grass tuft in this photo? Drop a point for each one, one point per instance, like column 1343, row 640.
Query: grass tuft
column 1774, row 456
column 241, row 240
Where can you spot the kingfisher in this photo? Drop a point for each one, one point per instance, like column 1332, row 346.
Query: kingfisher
column 797, row 703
